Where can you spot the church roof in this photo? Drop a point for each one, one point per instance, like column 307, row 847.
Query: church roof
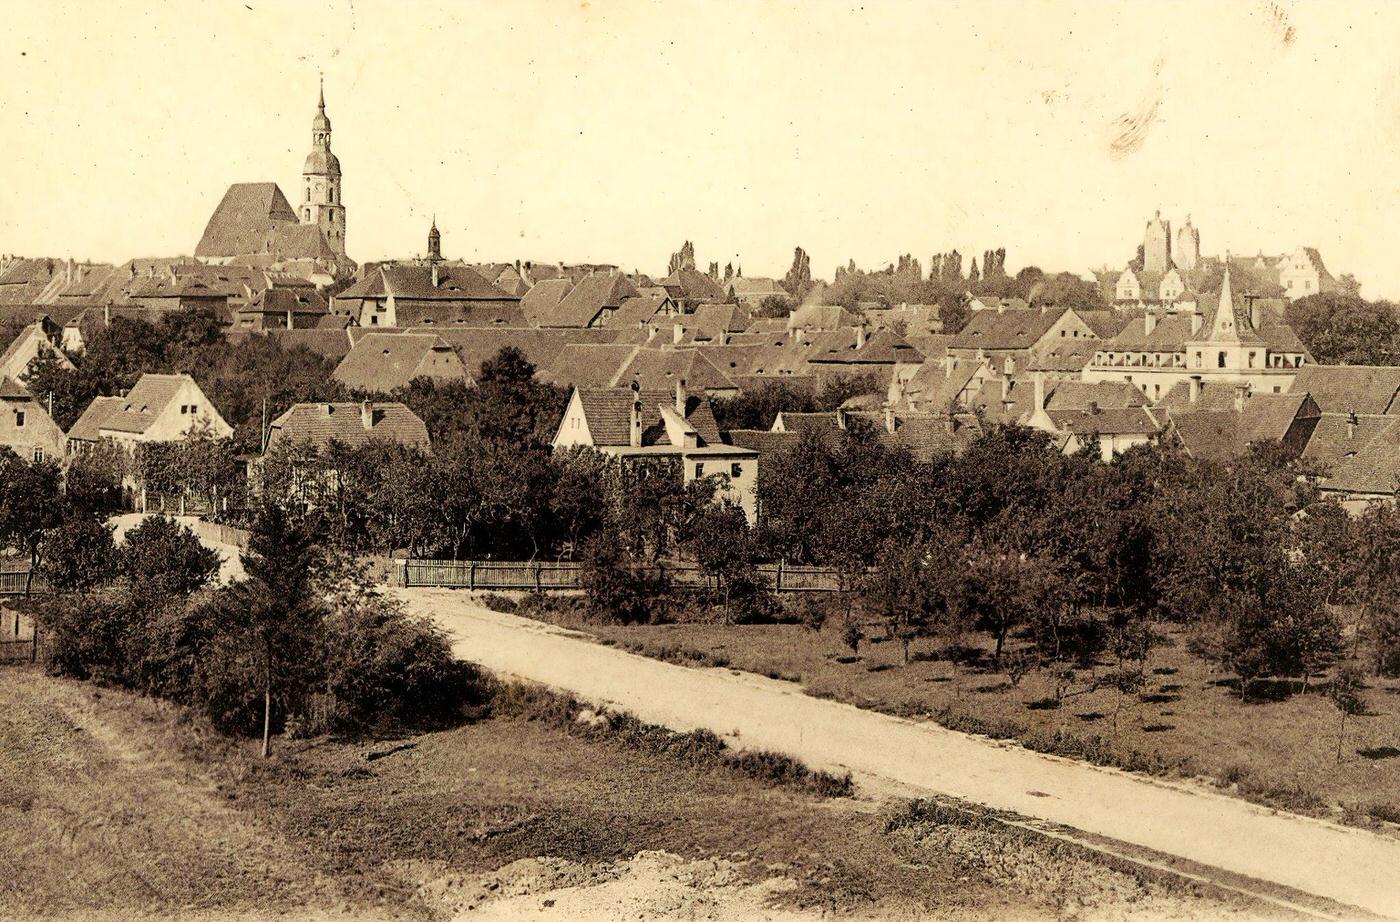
column 241, row 224
column 321, row 163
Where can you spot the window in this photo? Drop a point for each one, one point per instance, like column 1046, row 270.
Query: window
column 19, row 419
column 1220, row 361
column 1198, row 360
column 699, row 471
column 1277, row 389
column 38, row 455
column 184, row 408
column 736, row 470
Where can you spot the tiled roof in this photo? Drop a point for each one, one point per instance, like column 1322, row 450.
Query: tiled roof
column 248, row 213
column 588, row 364
column 1008, row 329
column 1062, row 395
column 382, row 362
column 1375, row 469
column 1218, row 434
column 821, row 317
column 1365, row 389
column 658, row 369
column 588, row 298
column 1339, row 436
column 1122, row 421
column 143, row 403
column 331, row 344
column 541, row 302
column 693, row 285
column 608, row 411
column 319, row 424
column 89, row 425
column 12, row 390
column 281, row 300
column 763, row 441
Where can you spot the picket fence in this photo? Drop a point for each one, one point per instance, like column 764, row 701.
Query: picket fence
column 546, row 575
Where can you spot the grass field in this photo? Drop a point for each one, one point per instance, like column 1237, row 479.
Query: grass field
column 114, row 806
column 1278, row 748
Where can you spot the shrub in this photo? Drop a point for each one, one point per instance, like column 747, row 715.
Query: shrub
column 616, row 589
column 78, row 555
column 163, row 559
column 498, row 602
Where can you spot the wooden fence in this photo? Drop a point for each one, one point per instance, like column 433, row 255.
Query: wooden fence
column 542, row 576
column 14, row 576
column 16, row 637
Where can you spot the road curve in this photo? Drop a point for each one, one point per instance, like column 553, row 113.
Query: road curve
column 1350, row 866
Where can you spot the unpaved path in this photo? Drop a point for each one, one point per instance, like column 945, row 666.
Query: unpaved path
column 1351, row 866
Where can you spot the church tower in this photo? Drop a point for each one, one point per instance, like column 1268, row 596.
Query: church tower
column 1157, row 245
column 1188, row 247
column 321, row 176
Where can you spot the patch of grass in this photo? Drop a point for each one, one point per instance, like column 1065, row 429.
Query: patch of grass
column 1157, row 728
column 1384, row 811
column 1043, row 704
column 1091, row 716
column 498, row 602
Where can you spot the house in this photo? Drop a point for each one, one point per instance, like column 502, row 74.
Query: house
column 1372, row 474
column 317, row 425
column 31, row 342
column 590, row 303
column 379, row 363
column 287, row 308
column 673, row 429
column 1219, row 422
column 160, row 408
column 439, row 294
column 924, row 435
column 1111, row 430
column 540, row 304
column 908, row 320
column 1007, row 337
column 26, row 427
column 1239, row 345
column 1302, row 273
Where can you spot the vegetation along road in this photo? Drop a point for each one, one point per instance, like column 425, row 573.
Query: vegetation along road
column 1349, row 866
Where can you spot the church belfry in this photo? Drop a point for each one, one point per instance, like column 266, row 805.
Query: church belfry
column 322, row 206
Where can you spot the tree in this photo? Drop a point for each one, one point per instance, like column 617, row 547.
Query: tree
column 1342, row 329
column 718, row 537
column 78, row 554
column 1345, row 694
column 773, row 306
column 163, row 560
column 798, row 280
column 30, row 505
column 275, row 607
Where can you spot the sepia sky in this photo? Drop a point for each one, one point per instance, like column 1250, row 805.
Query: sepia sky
column 612, row 130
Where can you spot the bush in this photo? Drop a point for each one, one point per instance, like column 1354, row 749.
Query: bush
column 163, row 559
column 616, row 589
column 78, row 555
column 498, row 602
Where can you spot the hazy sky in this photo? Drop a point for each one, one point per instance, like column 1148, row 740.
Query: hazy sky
column 612, row 130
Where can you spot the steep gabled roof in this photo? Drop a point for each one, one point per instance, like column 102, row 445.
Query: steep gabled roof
column 1364, row 389
column 588, row 298
column 144, row 403
column 609, row 414
column 352, row 424
column 658, row 369
column 1337, row 437
column 1374, row 470
column 588, row 364
column 1006, row 329
column 89, row 425
column 382, row 362
column 541, row 302
column 248, row 213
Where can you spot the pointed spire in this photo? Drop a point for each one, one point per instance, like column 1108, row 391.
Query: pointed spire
column 321, row 102
column 1224, row 326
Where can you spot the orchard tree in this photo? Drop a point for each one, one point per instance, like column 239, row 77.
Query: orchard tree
column 30, row 506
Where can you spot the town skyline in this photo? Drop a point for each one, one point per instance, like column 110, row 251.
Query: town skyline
column 745, row 172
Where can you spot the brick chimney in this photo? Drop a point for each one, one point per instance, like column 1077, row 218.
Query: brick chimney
column 680, row 397
column 889, row 420
column 290, row 323
column 1196, row 321
column 1005, row 388
column 1149, row 321
column 634, row 434
column 860, row 337
column 1241, row 392
column 677, row 334
column 1351, row 425
column 367, row 415
column 1194, row 387
column 1039, row 391
column 1093, row 408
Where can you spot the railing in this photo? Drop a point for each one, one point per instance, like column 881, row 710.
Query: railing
column 14, row 579
column 543, row 576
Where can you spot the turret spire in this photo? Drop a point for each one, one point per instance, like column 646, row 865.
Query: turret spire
column 1224, row 326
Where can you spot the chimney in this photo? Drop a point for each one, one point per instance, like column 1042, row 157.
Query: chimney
column 1241, row 392
column 289, row 319
column 680, row 397
column 840, row 418
column 327, row 409
column 889, row 420
column 1005, row 388
column 435, row 275
column 1256, row 313
column 634, row 435
column 1351, row 425
column 1001, row 306
column 107, row 314
column 947, row 366
column 949, row 423
column 677, row 334
column 1149, row 321
column 860, row 337
column 367, row 415
column 1039, row 391
column 1194, row 387
column 1093, row 408
column 1196, row 321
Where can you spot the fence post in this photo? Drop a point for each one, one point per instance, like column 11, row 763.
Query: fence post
column 471, row 579
column 405, row 572
column 778, row 585
column 537, row 577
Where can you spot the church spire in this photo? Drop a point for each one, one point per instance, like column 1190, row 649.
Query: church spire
column 434, row 242
column 1224, row 326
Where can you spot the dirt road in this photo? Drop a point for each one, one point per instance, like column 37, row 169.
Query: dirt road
column 1350, row 866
